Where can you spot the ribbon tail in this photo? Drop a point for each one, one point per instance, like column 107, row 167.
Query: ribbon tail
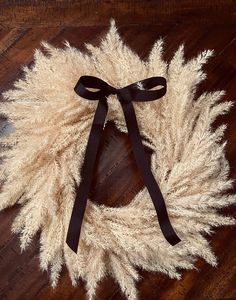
column 75, row 224
column 149, row 180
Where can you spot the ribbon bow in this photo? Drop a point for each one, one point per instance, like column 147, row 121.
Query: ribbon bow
column 125, row 96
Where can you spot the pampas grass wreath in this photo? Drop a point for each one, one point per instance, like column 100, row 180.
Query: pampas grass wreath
column 44, row 153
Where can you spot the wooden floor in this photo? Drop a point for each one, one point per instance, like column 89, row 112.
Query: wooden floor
column 198, row 24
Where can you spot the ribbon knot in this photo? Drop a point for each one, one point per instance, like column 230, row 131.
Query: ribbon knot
column 112, row 90
column 126, row 96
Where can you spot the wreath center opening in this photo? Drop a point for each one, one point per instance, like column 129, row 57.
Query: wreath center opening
column 116, row 179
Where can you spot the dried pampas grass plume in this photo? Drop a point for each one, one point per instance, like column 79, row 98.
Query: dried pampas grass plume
column 43, row 155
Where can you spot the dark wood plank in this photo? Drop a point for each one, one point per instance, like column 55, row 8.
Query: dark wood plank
column 20, row 275
column 87, row 12
column 9, row 37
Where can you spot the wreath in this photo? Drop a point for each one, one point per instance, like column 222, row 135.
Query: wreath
column 43, row 155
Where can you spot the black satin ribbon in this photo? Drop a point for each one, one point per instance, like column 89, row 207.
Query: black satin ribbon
column 125, row 96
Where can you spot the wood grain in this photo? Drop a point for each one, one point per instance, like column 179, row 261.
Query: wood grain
column 116, row 179
column 99, row 12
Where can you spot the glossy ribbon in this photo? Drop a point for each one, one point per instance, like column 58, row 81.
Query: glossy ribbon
column 125, row 96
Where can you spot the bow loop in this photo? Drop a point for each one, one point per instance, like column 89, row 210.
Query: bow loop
column 145, row 93
column 86, row 82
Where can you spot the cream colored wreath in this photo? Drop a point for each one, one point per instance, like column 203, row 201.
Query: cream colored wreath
column 45, row 151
